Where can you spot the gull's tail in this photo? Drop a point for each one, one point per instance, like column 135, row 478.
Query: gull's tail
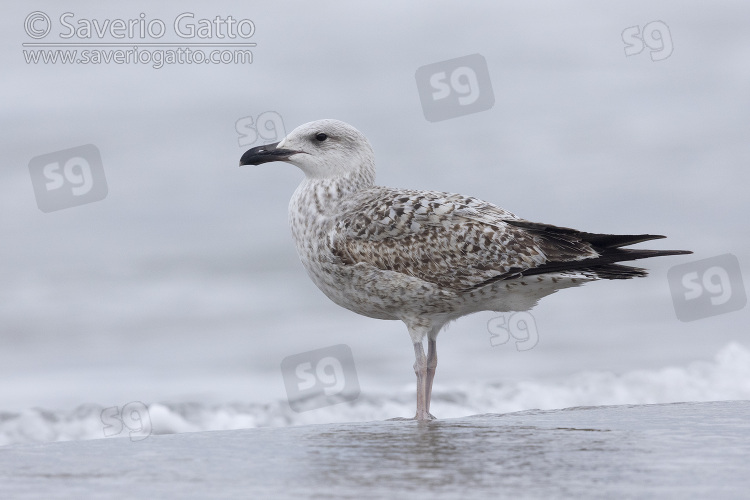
column 608, row 246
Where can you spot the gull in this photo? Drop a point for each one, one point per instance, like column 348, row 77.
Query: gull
column 426, row 257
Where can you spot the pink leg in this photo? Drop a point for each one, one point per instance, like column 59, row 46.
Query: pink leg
column 424, row 380
column 431, row 366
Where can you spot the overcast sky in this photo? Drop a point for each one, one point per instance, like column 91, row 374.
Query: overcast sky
column 579, row 135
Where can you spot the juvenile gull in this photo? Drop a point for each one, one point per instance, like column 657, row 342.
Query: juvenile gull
column 426, row 257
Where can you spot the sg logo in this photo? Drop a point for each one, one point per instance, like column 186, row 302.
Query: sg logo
column 319, row 378
column 521, row 326
column 463, row 81
column 455, row 87
column 134, row 417
column 655, row 36
column 269, row 126
column 328, row 372
column 68, row 178
column 707, row 287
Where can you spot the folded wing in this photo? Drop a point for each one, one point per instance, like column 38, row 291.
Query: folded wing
column 462, row 243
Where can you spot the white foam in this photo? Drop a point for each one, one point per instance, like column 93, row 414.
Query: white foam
column 727, row 377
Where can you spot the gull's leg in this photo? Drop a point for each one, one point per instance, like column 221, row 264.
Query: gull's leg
column 430, row 372
column 420, row 368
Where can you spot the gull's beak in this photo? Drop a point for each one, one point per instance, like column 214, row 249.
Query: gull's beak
column 265, row 154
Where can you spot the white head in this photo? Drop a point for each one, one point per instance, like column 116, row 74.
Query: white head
column 323, row 149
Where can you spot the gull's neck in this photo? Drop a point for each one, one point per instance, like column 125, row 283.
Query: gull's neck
column 328, row 190
column 323, row 196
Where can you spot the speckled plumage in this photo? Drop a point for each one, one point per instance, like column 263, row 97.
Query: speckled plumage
column 424, row 257
column 396, row 254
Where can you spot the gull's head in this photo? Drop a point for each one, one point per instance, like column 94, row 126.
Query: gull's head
column 321, row 149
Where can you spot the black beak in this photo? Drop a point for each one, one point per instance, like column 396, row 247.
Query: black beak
column 265, row 154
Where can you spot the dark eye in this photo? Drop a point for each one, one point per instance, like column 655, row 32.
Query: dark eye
column 321, row 136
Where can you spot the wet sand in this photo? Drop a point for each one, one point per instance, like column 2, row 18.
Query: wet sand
column 681, row 450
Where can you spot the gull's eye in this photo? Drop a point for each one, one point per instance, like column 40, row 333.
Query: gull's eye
column 320, row 136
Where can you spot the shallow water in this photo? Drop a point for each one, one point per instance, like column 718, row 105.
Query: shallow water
column 682, row 450
column 726, row 378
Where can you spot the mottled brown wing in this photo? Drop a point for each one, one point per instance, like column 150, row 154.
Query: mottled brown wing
column 454, row 241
